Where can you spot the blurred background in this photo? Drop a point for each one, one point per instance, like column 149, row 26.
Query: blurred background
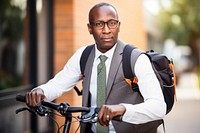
column 37, row 37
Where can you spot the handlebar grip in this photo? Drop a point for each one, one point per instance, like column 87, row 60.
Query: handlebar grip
column 118, row 118
column 21, row 98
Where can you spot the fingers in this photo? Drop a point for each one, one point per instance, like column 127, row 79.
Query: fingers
column 34, row 97
column 108, row 112
column 105, row 115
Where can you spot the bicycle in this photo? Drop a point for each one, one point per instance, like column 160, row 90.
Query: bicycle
column 65, row 110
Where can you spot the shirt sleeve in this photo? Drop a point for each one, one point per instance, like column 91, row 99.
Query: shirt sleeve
column 154, row 106
column 64, row 80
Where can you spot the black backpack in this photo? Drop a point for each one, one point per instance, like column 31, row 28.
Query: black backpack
column 162, row 66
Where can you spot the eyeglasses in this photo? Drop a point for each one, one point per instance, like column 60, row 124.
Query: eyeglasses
column 112, row 24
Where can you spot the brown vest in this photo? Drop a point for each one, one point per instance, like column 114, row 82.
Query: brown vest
column 118, row 91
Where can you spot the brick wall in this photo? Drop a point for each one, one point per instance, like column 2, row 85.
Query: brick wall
column 64, row 42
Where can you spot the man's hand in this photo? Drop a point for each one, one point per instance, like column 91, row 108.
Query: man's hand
column 108, row 112
column 34, row 97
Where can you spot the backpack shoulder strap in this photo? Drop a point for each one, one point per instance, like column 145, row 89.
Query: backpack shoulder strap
column 84, row 57
column 83, row 61
column 129, row 57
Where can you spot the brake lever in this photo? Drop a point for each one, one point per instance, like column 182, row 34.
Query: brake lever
column 40, row 110
column 23, row 109
column 89, row 117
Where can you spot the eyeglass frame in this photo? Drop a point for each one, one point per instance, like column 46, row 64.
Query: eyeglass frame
column 107, row 22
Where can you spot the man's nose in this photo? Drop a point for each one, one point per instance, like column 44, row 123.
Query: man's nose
column 106, row 29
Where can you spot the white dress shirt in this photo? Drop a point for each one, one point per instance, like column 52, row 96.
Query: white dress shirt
column 153, row 107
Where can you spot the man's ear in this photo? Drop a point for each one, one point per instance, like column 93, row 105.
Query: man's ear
column 89, row 28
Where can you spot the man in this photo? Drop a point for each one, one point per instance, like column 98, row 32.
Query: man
column 141, row 111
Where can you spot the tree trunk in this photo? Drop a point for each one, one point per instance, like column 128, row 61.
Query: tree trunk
column 196, row 52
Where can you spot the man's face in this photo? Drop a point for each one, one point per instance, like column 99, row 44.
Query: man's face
column 106, row 36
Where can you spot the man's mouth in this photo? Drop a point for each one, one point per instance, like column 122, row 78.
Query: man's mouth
column 106, row 39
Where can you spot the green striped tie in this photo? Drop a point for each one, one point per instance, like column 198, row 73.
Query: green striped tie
column 101, row 88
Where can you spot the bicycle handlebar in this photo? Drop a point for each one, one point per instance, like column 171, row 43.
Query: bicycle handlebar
column 64, row 109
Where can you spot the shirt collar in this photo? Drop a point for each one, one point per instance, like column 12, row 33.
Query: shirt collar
column 109, row 53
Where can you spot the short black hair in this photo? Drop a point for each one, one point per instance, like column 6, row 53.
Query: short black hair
column 100, row 5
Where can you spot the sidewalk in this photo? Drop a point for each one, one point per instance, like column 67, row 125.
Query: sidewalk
column 185, row 115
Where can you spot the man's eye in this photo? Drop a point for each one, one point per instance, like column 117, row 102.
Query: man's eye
column 112, row 23
column 98, row 24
